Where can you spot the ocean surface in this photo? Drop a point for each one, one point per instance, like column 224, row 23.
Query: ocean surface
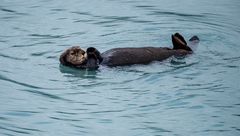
column 198, row 95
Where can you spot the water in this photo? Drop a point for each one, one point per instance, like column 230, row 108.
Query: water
column 197, row 95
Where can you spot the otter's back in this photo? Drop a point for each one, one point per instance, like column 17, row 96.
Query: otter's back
column 128, row 56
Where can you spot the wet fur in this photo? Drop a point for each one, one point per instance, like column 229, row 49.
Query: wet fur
column 73, row 56
column 125, row 56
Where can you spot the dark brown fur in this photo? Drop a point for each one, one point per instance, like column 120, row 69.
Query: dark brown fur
column 76, row 57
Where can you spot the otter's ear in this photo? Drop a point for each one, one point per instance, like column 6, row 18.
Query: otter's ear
column 63, row 56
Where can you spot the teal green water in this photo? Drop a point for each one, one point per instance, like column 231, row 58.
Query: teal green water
column 197, row 95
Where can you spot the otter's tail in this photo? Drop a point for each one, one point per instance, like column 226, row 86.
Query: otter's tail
column 179, row 42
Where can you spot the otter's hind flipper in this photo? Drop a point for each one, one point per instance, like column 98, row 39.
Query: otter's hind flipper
column 180, row 37
column 194, row 38
column 193, row 43
column 179, row 42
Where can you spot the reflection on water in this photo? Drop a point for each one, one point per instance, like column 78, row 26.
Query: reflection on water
column 81, row 73
column 193, row 95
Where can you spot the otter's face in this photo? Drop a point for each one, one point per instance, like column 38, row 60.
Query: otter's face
column 73, row 56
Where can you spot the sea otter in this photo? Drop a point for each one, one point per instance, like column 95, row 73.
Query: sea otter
column 92, row 58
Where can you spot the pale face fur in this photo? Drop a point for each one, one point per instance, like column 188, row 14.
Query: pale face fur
column 76, row 56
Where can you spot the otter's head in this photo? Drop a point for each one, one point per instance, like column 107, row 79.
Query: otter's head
column 73, row 56
column 78, row 58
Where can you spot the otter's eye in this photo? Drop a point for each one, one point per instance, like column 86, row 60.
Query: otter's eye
column 72, row 53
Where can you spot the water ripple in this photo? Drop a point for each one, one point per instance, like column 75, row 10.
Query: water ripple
column 45, row 95
column 175, row 14
column 65, row 119
column 24, row 84
column 12, row 11
column 12, row 57
column 15, row 130
column 47, row 36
